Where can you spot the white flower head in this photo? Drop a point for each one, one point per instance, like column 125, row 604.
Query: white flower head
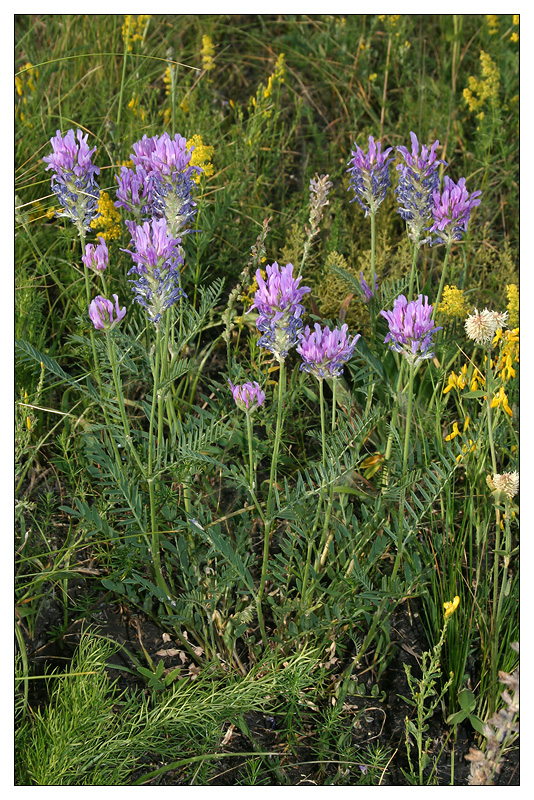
column 508, row 483
column 482, row 325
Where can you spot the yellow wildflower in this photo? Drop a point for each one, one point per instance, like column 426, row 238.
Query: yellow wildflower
column 201, row 156
column 514, row 37
column 277, row 77
column 450, row 606
column 467, row 448
column 493, row 23
column 508, row 354
column 455, row 432
column 137, row 110
column 460, row 381
column 109, row 219
column 478, row 92
column 134, row 29
column 207, row 52
column 373, row 76
column 515, row 19
column 500, row 400
column 453, row 303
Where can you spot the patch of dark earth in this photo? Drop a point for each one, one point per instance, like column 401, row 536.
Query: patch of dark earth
column 371, row 719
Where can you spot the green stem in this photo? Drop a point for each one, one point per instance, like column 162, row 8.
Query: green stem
column 122, row 406
column 250, row 450
column 442, row 282
column 406, row 448
column 160, row 581
column 270, row 512
column 412, row 271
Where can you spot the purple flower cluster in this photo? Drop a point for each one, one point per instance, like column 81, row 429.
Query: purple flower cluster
column 101, row 313
column 96, row 256
column 157, row 258
column 451, row 211
column 411, row 328
column 418, row 181
column 73, row 181
column 369, row 173
column 324, row 352
column 247, row 396
column 161, row 184
column 278, row 302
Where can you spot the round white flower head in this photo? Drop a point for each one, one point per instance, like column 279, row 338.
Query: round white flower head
column 482, row 326
column 508, row 483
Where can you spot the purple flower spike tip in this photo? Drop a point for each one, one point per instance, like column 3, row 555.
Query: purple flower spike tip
column 411, row 328
column 247, row 396
column 73, row 181
column 452, row 210
column 324, row 352
column 278, row 301
column 369, row 173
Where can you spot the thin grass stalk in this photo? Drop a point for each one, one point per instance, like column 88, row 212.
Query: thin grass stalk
column 123, row 80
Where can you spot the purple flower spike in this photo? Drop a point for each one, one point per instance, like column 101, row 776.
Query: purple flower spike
column 101, row 313
column 418, row 180
column 451, row 211
column 154, row 246
column 248, row 396
column 165, row 176
column 369, row 173
column 368, row 292
column 73, row 181
column 411, row 328
column 324, row 351
column 278, row 302
column 96, row 256
column 157, row 256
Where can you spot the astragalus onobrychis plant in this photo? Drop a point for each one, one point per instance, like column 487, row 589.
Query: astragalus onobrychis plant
column 216, row 515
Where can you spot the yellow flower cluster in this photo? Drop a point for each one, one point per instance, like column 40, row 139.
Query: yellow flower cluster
column 509, row 353
column 137, row 110
column 460, row 381
column 390, row 19
column 453, row 303
column 109, row 219
column 515, row 21
column 257, row 103
column 134, row 29
column 277, row 77
column 207, row 52
column 24, row 83
column 493, row 23
column 501, row 401
column 456, row 431
column 512, row 292
column 201, row 156
column 486, row 89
